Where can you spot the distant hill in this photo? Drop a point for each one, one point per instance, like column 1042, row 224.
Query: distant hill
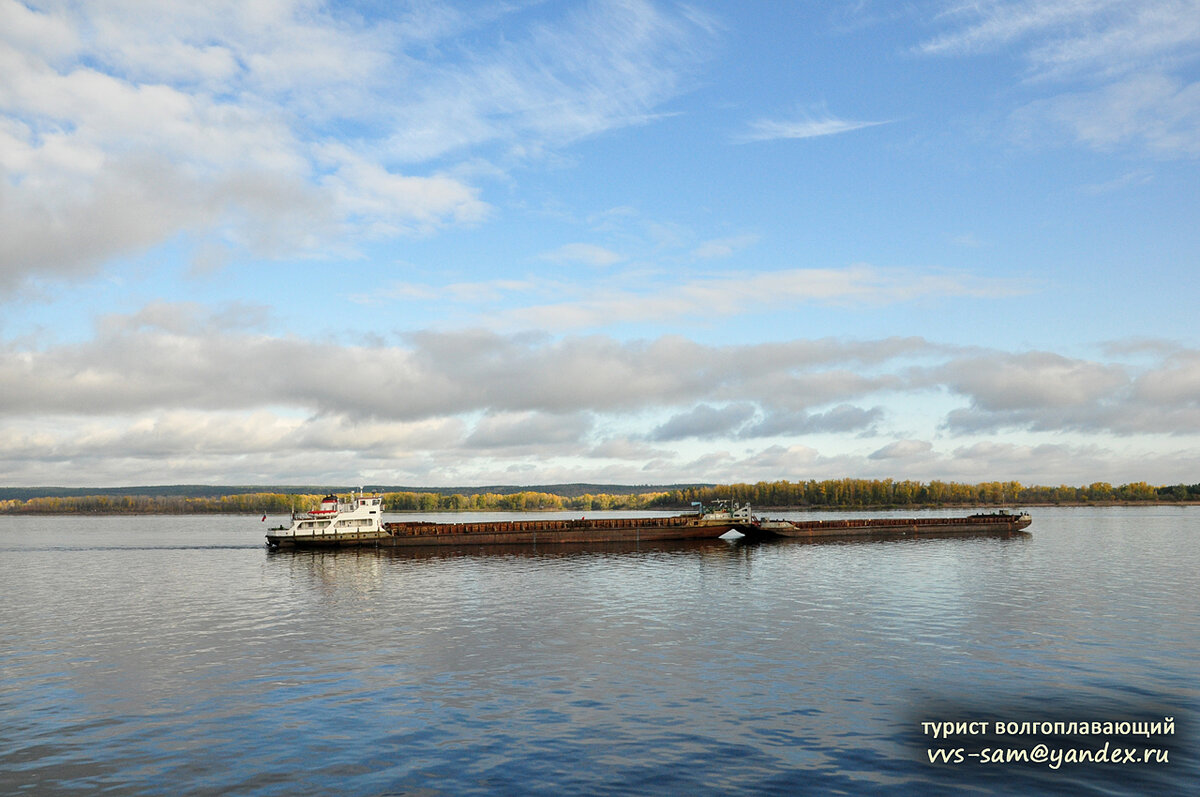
column 217, row 491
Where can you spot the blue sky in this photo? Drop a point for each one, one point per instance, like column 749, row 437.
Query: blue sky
column 627, row 242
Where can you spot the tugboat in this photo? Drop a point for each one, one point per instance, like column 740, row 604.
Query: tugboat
column 357, row 520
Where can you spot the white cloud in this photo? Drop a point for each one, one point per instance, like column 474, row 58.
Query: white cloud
column 723, row 247
column 623, row 448
column 203, row 388
column 772, row 129
column 1068, row 36
column 119, row 129
column 601, row 66
column 704, row 421
column 734, row 294
column 1176, row 382
column 1153, row 112
column 1126, row 180
column 903, row 450
column 1033, row 380
column 387, row 204
column 1129, row 62
column 777, row 422
column 1047, row 392
column 172, row 357
column 588, row 254
column 530, row 432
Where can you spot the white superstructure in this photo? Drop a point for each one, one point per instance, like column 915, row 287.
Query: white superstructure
column 722, row 509
column 360, row 515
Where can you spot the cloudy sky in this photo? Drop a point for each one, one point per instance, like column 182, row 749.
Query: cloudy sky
column 287, row 241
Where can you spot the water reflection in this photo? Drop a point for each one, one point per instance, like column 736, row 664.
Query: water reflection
column 544, row 551
column 351, row 569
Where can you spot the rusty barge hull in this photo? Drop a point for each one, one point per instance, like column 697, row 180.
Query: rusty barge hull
column 522, row 532
column 898, row 527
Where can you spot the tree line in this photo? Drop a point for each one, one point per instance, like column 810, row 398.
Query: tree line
column 286, row 503
column 883, row 493
column 823, row 494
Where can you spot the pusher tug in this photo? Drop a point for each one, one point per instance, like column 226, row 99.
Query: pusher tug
column 357, row 520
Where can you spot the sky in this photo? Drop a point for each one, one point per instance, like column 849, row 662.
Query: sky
column 627, row 242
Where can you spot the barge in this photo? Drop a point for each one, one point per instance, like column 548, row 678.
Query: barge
column 358, row 521
column 992, row 523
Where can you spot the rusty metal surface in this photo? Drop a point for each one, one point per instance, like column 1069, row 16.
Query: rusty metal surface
column 555, row 531
column 929, row 526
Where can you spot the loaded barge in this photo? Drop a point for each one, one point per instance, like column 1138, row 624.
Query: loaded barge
column 358, row 521
column 996, row 522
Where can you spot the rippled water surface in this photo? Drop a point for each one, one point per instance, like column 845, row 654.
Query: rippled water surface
column 154, row 655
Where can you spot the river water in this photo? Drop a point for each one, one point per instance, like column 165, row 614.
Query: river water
column 175, row 655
